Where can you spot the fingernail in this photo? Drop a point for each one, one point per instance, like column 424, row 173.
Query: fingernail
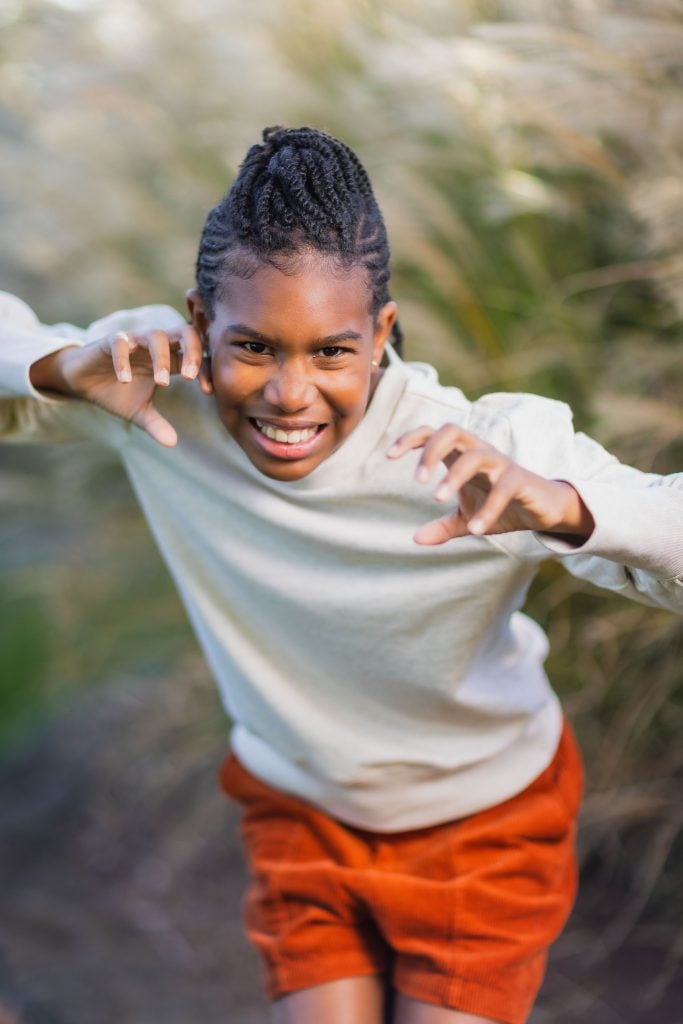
column 442, row 492
column 191, row 370
column 422, row 474
column 163, row 377
column 475, row 526
column 125, row 376
column 393, row 450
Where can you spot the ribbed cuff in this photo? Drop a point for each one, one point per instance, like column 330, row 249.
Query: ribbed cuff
column 641, row 527
column 19, row 350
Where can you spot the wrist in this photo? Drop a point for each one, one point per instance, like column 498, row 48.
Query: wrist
column 575, row 520
column 51, row 372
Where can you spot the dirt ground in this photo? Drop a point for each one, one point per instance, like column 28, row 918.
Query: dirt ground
column 121, row 877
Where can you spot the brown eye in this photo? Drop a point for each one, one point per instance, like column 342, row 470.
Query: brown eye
column 256, row 348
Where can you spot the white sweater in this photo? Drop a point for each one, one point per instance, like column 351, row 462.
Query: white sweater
column 394, row 685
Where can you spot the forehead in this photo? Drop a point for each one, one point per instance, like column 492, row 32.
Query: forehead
column 312, row 291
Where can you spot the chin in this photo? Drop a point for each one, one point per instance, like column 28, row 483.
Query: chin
column 275, row 469
column 285, row 475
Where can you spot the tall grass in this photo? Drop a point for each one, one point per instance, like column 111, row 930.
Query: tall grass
column 528, row 158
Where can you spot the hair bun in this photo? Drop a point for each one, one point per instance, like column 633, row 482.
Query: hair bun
column 271, row 133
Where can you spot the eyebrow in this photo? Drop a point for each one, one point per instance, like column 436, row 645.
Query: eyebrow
column 331, row 339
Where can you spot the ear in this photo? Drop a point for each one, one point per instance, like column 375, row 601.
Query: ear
column 200, row 322
column 195, row 307
column 384, row 321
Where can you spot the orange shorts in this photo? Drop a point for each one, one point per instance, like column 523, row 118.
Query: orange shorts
column 459, row 914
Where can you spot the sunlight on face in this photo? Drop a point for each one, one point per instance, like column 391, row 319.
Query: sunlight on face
column 292, row 362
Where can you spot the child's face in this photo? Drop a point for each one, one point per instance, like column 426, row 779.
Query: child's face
column 293, row 353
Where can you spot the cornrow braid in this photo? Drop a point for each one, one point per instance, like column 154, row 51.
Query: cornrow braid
column 299, row 189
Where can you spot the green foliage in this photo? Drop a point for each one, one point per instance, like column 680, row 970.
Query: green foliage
column 85, row 597
column 25, row 646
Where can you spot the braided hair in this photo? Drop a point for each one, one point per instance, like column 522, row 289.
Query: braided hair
column 300, row 190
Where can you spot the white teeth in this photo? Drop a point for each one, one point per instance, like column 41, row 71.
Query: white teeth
column 286, row 436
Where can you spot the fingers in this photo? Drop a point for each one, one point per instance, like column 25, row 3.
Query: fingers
column 465, row 454
column 159, row 348
column 468, row 519
column 412, row 439
column 438, row 531
column 158, row 428
column 486, row 519
column 191, row 347
column 168, row 352
column 480, row 460
column 121, row 345
column 485, row 480
column 441, row 445
column 176, row 352
column 446, row 444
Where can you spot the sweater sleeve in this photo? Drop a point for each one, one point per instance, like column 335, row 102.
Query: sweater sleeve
column 637, row 543
column 636, row 547
column 27, row 414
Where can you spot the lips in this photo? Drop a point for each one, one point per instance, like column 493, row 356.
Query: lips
column 290, row 443
column 288, row 435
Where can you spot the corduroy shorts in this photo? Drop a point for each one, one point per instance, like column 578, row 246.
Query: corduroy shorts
column 459, row 914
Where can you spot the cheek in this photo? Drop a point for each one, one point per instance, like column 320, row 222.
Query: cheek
column 230, row 382
column 363, row 394
column 345, row 393
column 348, row 408
column 229, row 395
column 353, row 392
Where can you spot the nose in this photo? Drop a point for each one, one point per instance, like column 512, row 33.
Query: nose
column 289, row 387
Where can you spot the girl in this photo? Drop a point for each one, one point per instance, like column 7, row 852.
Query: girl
column 409, row 788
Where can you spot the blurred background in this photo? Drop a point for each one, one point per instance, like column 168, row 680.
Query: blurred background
column 528, row 157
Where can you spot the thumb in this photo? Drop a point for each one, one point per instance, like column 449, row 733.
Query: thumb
column 438, row 531
column 152, row 422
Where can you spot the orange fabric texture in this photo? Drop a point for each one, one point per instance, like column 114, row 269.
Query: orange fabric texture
column 459, row 914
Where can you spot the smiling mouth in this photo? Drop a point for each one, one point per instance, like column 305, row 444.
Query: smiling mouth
column 300, row 436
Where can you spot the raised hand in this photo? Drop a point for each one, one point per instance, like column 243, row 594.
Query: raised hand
column 121, row 372
column 494, row 494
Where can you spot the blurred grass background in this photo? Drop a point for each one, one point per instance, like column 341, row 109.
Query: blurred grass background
column 528, row 157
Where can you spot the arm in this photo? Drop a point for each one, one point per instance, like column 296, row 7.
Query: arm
column 612, row 525
column 26, row 415
column 41, row 368
column 637, row 544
